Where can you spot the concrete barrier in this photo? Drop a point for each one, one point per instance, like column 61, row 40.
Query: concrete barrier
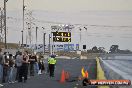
column 100, row 73
column 83, row 57
column 63, row 57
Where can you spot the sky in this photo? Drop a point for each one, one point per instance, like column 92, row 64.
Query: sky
column 71, row 5
column 90, row 12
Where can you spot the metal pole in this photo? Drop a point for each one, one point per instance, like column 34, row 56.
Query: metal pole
column 1, row 24
column 49, row 43
column 86, row 37
column 26, row 40
column 23, row 14
column 5, row 22
column 23, row 18
column 80, row 39
column 22, row 38
column 1, row 20
column 44, row 43
column 52, row 43
column 68, row 43
column 36, row 38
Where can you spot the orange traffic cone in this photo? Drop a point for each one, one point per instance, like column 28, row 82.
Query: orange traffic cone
column 86, row 74
column 62, row 80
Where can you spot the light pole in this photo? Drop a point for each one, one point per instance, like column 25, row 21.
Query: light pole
column 1, row 25
column 29, row 32
column 22, row 38
column 36, row 38
column 23, row 13
column 49, row 45
column 44, row 41
column 1, row 20
column 86, row 37
column 68, row 42
column 23, row 7
column 5, row 22
column 80, row 38
column 52, row 43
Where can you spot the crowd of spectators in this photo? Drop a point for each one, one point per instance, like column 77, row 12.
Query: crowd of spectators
column 17, row 68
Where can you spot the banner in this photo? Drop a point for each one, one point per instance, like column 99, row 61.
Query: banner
column 108, row 82
column 68, row 47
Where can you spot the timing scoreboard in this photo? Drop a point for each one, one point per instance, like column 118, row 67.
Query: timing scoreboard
column 61, row 36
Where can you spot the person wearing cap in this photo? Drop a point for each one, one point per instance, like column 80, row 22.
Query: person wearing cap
column 52, row 63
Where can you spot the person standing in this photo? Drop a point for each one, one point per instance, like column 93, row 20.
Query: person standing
column 36, row 66
column 11, row 68
column 52, row 63
column 24, row 67
column 41, row 66
column 5, row 68
column 18, row 62
column 32, row 60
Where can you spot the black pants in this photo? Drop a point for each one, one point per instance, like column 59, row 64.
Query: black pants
column 48, row 69
column 31, row 69
column 5, row 73
column 23, row 72
column 41, row 66
column 17, row 73
column 51, row 69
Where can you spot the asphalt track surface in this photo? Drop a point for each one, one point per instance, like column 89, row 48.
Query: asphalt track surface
column 73, row 66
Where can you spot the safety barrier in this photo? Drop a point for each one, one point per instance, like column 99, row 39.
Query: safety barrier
column 100, row 73
column 111, row 74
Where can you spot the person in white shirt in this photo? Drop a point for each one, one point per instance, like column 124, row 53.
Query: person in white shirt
column 18, row 62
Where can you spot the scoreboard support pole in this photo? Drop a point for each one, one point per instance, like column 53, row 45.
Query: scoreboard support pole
column 51, row 44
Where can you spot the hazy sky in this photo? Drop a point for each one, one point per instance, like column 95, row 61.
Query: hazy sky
column 108, row 12
column 70, row 5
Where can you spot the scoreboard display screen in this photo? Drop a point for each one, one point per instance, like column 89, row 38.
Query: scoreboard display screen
column 63, row 34
column 61, row 39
